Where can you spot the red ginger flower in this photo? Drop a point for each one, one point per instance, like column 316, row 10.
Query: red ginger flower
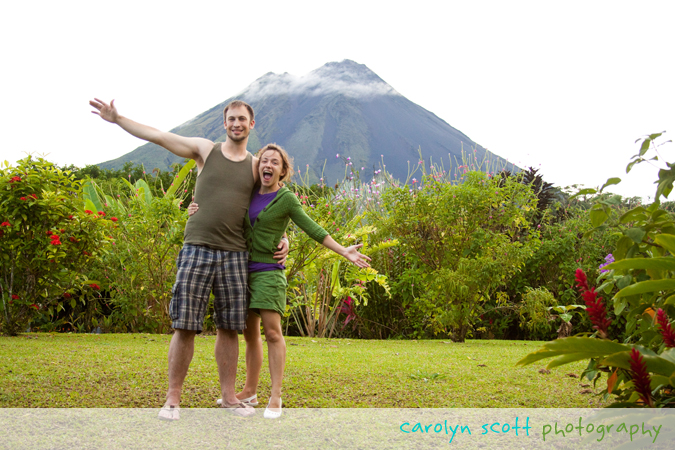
column 665, row 328
column 595, row 307
column 641, row 378
column 54, row 237
column 95, row 286
column 5, row 224
column 14, row 179
column 34, row 196
column 23, row 198
column 101, row 213
column 15, row 297
column 582, row 282
column 87, row 211
column 114, row 219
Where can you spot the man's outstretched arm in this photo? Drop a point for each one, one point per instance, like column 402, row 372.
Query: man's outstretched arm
column 185, row 147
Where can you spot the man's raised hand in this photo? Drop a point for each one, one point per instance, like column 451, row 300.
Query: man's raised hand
column 108, row 112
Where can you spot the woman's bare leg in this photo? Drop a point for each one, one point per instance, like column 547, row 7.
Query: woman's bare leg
column 276, row 353
column 254, row 355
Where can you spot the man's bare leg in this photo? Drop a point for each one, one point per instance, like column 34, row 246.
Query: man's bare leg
column 254, row 356
column 181, row 350
column 227, row 354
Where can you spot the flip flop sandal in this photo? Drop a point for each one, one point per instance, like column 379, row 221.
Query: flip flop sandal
column 238, row 409
column 171, row 412
column 250, row 401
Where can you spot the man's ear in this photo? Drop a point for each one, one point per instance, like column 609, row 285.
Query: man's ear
column 252, row 124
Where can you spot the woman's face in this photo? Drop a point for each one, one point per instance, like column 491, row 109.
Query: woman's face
column 271, row 168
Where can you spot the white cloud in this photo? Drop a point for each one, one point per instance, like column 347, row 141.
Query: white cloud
column 325, row 80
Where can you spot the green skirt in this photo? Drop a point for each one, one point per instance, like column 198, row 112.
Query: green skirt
column 267, row 291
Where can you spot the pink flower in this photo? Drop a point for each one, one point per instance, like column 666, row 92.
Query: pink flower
column 665, row 328
column 348, row 309
column 595, row 307
column 641, row 378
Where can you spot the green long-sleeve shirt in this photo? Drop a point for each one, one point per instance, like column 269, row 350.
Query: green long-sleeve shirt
column 264, row 236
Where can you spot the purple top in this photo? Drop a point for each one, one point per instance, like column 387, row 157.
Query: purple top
column 258, row 203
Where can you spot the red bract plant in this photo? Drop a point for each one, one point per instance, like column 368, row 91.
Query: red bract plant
column 665, row 328
column 348, row 309
column 595, row 307
column 641, row 378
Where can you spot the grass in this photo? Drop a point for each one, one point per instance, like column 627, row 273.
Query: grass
column 129, row 370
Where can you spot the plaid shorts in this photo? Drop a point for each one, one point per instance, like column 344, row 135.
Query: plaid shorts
column 202, row 270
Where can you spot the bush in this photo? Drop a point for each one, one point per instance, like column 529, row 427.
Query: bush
column 462, row 243
column 46, row 240
column 140, row 268
column 641, row 369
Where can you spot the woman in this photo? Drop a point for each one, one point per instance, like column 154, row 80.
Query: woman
column 271, row 209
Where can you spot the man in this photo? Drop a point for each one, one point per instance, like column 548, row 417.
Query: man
column 214, row 256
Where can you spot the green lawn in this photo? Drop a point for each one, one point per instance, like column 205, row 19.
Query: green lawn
column 129, row 370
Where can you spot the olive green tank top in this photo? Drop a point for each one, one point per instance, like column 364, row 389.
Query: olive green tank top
column 222, row 191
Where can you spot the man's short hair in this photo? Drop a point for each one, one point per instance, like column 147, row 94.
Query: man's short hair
column 238, row 104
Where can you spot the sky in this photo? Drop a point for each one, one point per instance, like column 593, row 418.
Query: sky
column 564, row 87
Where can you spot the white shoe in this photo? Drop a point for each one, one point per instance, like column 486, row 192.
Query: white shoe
column 250, row 401
column 269, row 414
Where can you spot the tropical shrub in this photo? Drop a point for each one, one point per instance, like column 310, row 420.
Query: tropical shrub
column 641, row 370
column 139, row 270
column 320, row 286
column 462, row 243
column 46, row 241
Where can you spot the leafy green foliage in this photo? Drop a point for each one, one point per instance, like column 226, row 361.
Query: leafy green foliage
column 643, row 279
column 139, row 270
column 463, row 243
column 318, row 282
column 46, row 240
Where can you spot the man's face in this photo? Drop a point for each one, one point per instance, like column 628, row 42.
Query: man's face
column 238, row 123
